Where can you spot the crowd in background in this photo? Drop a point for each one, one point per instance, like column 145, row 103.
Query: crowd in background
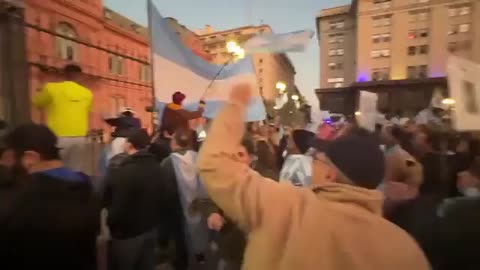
column 272, row 197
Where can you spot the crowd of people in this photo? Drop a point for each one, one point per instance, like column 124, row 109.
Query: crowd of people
column 250, row 196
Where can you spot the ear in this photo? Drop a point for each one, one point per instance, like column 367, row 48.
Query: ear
column 331, row 174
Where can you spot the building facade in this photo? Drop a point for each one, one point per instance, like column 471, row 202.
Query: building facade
column 269, row 68
column 113, row 53
column 337, row 39
column 401, row 41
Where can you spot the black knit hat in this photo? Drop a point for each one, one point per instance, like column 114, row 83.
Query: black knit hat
column 303, row 139
column 139, row 139
column 359, row 157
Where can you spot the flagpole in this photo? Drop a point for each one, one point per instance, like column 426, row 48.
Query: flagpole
column 152, row 66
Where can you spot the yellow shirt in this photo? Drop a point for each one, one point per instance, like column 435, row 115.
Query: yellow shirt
column 67, row 105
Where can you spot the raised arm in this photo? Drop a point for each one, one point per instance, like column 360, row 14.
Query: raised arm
column 242, row 193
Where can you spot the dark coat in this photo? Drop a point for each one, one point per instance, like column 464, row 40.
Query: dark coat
column 456, row 235
column 175, row 117
column 50, row 223
column 139, row 199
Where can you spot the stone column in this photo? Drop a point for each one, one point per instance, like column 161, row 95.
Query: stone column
column 14, row 75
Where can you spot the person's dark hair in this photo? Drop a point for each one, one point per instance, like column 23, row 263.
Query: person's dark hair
column 358, row 156
column 34, row 137
column 184, row 138
column 127, row 114
column 72, row 68
column 139, row 139
column 249, row 146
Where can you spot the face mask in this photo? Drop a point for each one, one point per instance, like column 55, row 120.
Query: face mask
column 471, row 192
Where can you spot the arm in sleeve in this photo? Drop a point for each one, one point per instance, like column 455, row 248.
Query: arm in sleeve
column 188, row 115
column 43, row 98
column 114, row 122
column 240, row 192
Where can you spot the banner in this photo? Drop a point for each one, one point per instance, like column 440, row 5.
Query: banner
column 367, row 111
column 464, row 87
column 177, row 68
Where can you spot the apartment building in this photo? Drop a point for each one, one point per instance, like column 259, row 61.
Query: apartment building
column 411, row 39
column 398, row 44
column 336, row 29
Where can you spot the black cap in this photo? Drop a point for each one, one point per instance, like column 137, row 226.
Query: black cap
column 303, row 139
column 359, row 157
column 34, row 137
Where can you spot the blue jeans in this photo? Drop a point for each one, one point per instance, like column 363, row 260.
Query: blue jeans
column 136, row 253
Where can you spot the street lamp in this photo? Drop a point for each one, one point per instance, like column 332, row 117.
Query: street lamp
column 234, row 49
column 448, row 101
column 281, row 86
column 295, row 97
column 358, row 113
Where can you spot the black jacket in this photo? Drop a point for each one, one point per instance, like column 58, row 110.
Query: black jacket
column 140, row 199
column 49, row 223
column 455, row 235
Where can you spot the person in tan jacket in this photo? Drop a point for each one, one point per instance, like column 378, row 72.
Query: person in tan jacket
column 335, row 224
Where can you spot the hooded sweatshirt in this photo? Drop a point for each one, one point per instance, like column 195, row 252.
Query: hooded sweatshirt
column 337, row 227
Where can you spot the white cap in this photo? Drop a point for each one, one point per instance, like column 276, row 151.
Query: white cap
column 126, row 109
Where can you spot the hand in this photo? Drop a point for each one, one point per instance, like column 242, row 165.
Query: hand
column 397, row 191
column 215, row 222
column 241, row 93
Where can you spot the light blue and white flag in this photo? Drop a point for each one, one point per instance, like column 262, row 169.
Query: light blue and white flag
column 278, row 43
column 177, row 68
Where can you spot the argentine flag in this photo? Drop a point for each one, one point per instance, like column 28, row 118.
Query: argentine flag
column 278, row 43
column 177, row 68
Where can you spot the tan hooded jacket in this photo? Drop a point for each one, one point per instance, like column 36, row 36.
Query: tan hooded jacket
column 290, row 228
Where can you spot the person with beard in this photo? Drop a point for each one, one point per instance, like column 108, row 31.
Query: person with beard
column 52, row 221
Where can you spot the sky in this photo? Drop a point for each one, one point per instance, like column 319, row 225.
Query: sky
column 282, row 15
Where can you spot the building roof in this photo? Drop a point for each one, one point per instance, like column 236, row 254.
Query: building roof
column 236, row 29
column 334, row 11
column 125, row 23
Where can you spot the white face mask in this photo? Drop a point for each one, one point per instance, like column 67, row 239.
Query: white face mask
column 470, row 192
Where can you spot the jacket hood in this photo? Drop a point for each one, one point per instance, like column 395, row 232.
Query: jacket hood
column 370, row 200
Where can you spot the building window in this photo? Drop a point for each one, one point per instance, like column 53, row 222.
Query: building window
column 335, row 80
column 332, row 52
column 337, row 24
column 335, row 66
column 116, row 104
column 380, row 53
column 418, row 16
column 381, row 38
column 340, row 52
column 418, row 1
column 116, row 65
column 417, row 72
column 145, row 73
column 380, row 74
column 335, row 38
column 381, row 4
column 464, row 28
column 412, row 50
column 423, row 49
column 338, row 85
column 459, row 11
column 66, row 49
column 419, row 33
column 382, row 21
column 260, row 61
